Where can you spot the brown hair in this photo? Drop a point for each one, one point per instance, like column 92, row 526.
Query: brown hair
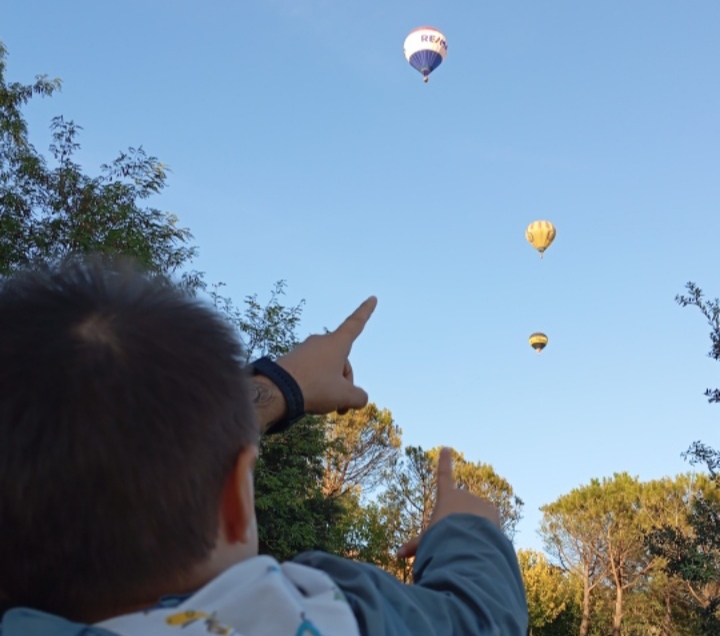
column 123, row 406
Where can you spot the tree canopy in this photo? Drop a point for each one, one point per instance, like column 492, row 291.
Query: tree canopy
column 51, row 209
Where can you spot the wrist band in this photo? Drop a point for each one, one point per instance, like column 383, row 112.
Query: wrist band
column 287, row 386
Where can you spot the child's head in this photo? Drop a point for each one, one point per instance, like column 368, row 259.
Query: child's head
column 124, row 410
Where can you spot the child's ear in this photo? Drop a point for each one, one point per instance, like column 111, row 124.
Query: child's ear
column 238, row 500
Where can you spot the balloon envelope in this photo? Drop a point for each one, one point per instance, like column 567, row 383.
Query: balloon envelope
column 540, row 234
column 538, row 341
column 425, row 49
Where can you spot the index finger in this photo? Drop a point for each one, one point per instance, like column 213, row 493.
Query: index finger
column 354, row 324
column 445, row 481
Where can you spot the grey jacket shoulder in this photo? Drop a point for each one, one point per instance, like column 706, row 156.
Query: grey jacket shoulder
column 467, row 583
column 26, row 622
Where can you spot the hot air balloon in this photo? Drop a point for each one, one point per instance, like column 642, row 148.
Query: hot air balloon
column 540, row 234
column 538, row 341
column 425, row 48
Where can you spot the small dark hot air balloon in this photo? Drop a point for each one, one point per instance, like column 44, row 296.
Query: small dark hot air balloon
column 538, row 341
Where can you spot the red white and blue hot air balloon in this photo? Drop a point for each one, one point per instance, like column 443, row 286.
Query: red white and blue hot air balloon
column 425, row 48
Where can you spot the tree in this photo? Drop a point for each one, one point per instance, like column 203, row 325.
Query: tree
column 49, row 213
column 293, row 515
column 689, row 547
column 692, row 555
column 406, row 504
column 266, row 330
column 363, row 448
column 373, row 537
column 711, row 310
column 412, row 489
column 572, row 532
column 481, row 479
column 624, row 520
column 668, row 504
column 597, row 533
column 552, row 595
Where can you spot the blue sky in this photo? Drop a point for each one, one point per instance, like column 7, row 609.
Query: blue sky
column 304, row 147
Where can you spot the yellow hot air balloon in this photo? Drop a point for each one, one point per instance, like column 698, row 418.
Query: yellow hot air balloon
column 540, row 234
column 538, row 341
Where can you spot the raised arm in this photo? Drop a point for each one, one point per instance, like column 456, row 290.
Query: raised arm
column 321, row 370
column 467, row 577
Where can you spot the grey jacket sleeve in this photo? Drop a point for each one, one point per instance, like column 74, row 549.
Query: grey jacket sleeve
column 467, row 583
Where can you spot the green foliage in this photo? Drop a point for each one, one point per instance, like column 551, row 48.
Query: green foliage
column 615, row 537
column 552, row 595
column 292, row 512
column 690, row 551
column 596, row 534
column 373, row 538
column 52, row 212
column 267, row 330
column 383, row 528
column 572, row 529
column 482, row 480
column 409, row 498
column 711, row 310
column 363, row 448
column 690, row 555
column 412, row 490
